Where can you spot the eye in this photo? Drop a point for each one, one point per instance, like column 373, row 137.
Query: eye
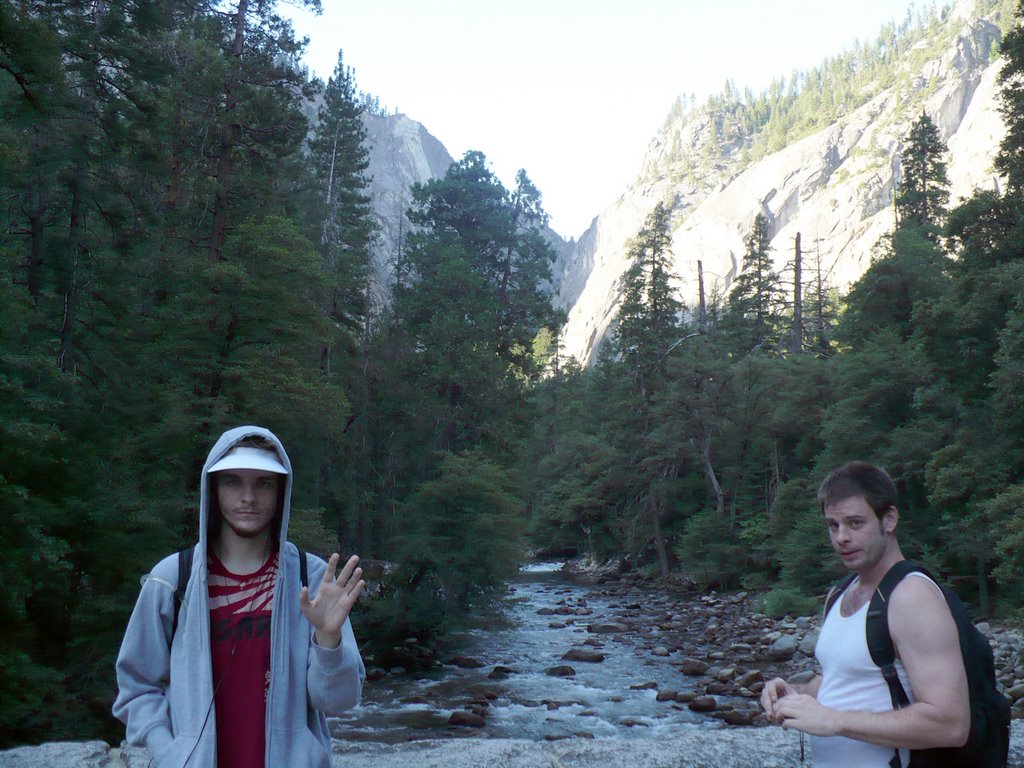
column 266, row 482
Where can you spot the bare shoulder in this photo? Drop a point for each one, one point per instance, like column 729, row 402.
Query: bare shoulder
column 917, row 608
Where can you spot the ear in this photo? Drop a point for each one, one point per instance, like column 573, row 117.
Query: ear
column 890, row 519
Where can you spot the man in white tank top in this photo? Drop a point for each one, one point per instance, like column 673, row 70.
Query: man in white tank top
column 848, row 709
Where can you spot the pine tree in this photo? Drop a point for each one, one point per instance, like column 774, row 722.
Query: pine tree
column 649, row 312
column 923, row 191
column 1010, row 160
column 340, row 159
column 757, row 297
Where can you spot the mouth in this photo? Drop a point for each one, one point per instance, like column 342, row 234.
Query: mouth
column 848, row 555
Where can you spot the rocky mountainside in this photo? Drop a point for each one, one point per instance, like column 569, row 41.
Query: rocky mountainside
column 402, row 153
column 834, row 187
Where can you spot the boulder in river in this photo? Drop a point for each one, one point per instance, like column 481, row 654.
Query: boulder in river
column 562, row 670
column 693, row 667
column 703, row 704
column 580, row 654
column 465, row 662
column 469, row 719
column 607, row 628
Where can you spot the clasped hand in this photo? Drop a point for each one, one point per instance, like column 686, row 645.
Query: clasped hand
column 785, row 707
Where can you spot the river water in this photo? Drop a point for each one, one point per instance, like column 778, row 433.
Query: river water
column 597, row 701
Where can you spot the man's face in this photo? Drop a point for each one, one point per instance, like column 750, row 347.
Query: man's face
column 858, row 536
column 248, row 500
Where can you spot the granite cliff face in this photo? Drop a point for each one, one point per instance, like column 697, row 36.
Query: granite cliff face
column 402, row 153
column 834, row 187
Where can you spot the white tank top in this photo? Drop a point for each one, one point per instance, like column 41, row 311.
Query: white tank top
column 852, row 682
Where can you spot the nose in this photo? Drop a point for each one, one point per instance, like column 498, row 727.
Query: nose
column 248, row 491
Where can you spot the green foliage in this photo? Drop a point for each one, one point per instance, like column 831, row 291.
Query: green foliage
column 782, row 601
column 460, row 533
column 181, row 252
column 161, row 281
column 711, row 554
column 922, row 193
column 756, row 298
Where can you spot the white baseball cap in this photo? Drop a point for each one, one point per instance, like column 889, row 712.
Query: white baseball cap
column 246, row 457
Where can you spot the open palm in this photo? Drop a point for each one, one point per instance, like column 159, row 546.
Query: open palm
column 334, row 600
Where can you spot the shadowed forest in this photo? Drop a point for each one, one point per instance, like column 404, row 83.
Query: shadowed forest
column 186, row 246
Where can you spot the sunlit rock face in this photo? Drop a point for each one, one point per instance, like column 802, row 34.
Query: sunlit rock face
column 402, row 153
column 834, row 187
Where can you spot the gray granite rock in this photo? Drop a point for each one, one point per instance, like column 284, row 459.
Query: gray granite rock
column 687, row 748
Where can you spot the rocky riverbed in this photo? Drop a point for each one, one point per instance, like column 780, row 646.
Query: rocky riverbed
column 624, row 658
column 689, row 698
column 728, row 648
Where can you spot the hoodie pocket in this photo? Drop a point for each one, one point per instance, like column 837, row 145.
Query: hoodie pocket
column 177, row 752
column 298, row 748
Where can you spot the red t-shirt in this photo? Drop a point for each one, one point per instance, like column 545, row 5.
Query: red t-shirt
column 240, row 607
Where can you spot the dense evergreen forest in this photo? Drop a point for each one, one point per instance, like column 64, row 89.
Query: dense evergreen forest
column 185, row 247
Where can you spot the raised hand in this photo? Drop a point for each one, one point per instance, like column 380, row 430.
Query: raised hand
column 334, row 600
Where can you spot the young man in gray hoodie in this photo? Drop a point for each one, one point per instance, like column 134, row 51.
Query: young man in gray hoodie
column 256, row 660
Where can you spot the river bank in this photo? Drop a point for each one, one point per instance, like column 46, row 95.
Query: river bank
column 599, row 654
column 594, row 669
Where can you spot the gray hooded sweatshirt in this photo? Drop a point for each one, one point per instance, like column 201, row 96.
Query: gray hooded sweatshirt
column 165, row 691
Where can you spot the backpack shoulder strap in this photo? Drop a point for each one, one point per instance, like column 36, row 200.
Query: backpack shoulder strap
column 303, row 567
column 879, row 640
column 836, row 590
column 184, row 573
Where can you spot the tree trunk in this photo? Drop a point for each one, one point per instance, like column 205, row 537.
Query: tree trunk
column 65, row 355
column 36, row 212
column 228, row 139
column 796, row 343
column 704, row 444
column 703, row 317
column 659, row 539
column 983, row 597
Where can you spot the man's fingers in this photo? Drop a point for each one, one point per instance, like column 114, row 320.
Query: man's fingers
column 346, row 573
column 332, row 566
column 357, row 590
column 353, row 579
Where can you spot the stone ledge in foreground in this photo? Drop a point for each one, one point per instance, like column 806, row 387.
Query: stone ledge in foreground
column 697, row 748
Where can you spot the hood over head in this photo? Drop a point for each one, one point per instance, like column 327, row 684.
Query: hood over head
column 224, row 456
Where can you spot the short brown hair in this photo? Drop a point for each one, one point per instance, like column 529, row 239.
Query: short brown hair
column 859, row 478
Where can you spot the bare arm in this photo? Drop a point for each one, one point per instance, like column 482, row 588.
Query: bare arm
column 926, row 639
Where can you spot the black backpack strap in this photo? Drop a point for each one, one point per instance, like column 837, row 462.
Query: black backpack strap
column 836, row 591
column 303, row 567
column 880, row 645
column 184, row 573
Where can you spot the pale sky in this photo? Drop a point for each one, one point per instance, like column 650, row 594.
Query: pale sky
column 573, row 90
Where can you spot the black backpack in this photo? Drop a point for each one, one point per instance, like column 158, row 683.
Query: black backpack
column 988, row 744
column 185, row 571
